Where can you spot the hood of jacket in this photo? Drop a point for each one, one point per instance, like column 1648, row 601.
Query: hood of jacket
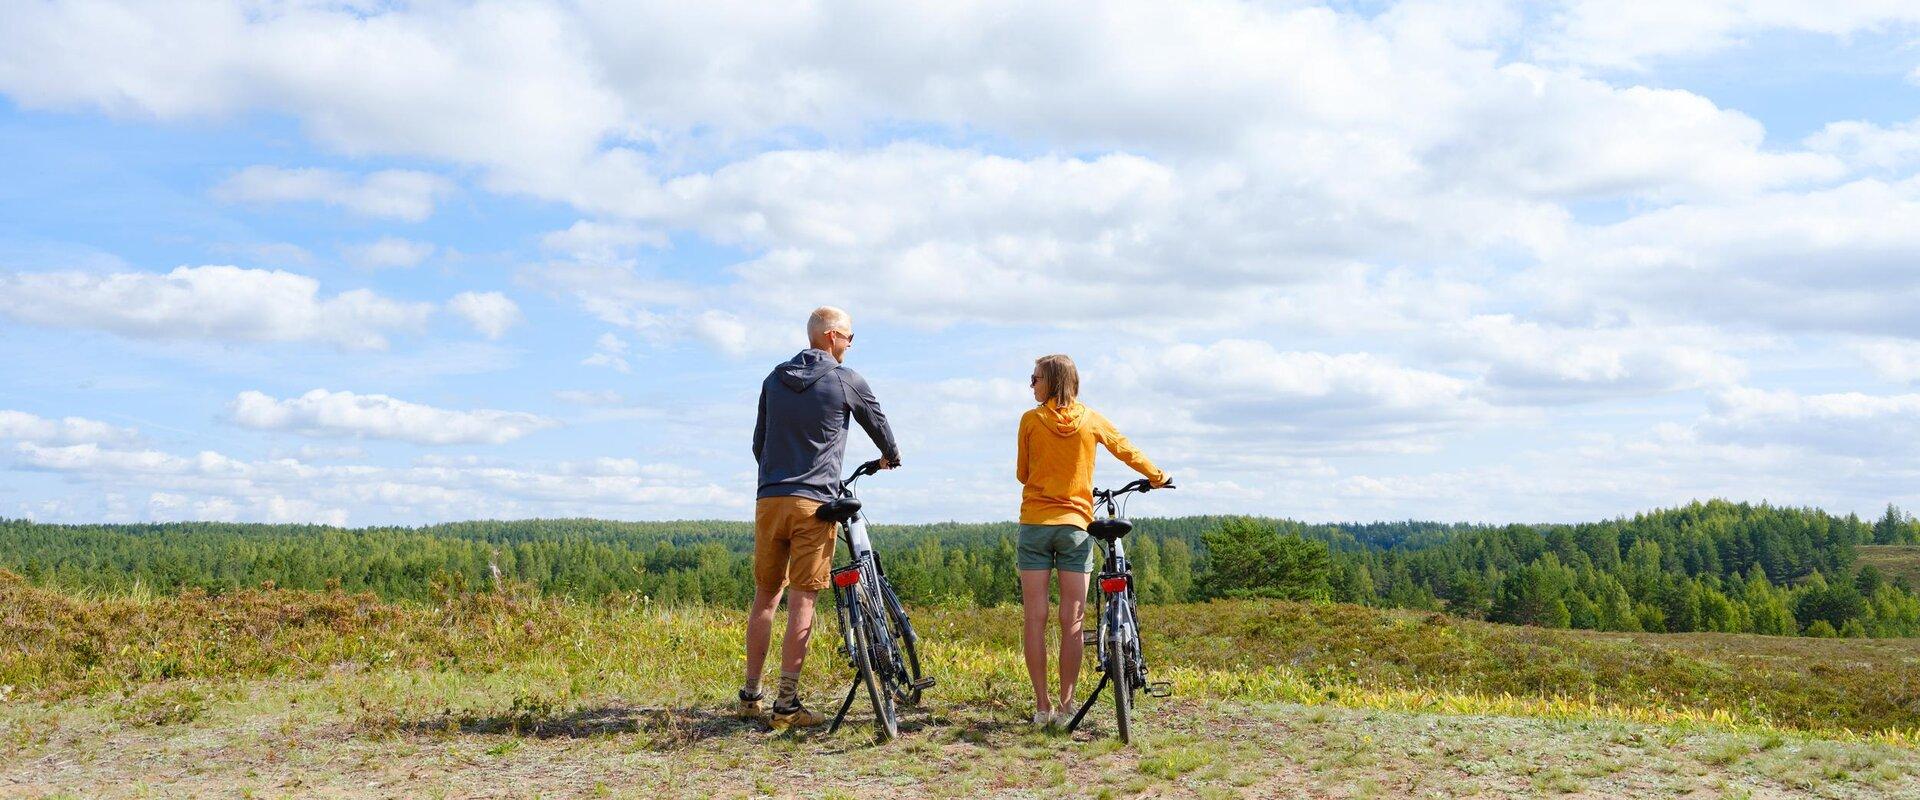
column 1063, row 420
column 805, row 369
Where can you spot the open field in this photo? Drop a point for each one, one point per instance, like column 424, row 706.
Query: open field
column 364, row 736
column 273, row 693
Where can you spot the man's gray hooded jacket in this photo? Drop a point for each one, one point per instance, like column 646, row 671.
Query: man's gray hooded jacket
column 801, row 433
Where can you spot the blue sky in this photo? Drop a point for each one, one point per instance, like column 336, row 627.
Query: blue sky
column 406, row 263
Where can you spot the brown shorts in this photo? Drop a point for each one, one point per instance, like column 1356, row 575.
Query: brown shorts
column 791, row 545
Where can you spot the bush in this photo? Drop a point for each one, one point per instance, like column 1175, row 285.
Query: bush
column 1247, row 559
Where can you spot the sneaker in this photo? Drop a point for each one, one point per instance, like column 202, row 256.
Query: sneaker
column 750, row 707
column 798, row 716
column 1042, row 719
column 1062, row 714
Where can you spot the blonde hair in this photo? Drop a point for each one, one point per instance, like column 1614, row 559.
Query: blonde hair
column 1063, row 379
column 827, row 318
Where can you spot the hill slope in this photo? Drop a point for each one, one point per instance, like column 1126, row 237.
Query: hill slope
column 1894, row 560
column 293, row 694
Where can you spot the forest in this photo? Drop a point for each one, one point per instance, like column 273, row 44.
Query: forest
column 1707, row 566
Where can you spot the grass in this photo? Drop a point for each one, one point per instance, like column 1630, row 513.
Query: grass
column 288, row 693
column 55, row 646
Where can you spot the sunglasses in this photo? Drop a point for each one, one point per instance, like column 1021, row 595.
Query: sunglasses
column 848, row 335
column 1033, row 380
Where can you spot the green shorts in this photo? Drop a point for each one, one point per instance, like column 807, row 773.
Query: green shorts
column 1063, row 547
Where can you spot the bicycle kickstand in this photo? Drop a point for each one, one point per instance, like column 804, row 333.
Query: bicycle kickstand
column 1075, row 724
column 844, row 705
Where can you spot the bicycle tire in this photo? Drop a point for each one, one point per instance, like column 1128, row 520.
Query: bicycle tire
column 1122, row 692
column 886, row 725
column 902, row 631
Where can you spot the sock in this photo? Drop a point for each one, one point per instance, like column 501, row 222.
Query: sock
column 789, row 694
column 752, row 687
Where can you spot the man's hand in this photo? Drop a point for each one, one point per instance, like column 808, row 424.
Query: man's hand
column 887, row 463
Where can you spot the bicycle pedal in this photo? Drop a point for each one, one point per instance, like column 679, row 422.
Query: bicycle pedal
column 1160, row 689
column 922, row 684
column 1089, row 638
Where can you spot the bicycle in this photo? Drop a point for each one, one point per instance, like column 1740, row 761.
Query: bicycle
column 879, row 638
column 1116, row 633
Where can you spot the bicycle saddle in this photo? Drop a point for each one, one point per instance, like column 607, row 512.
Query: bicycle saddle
column 1108, row 530
column 839, row 510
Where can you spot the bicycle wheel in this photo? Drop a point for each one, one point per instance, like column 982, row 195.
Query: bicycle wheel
column 886, row 725
column 1120, row 666
column 908, row 653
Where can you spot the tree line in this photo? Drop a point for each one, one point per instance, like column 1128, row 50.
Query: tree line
column 1707, row 566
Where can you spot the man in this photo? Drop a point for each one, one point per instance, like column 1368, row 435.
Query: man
column 799, row 439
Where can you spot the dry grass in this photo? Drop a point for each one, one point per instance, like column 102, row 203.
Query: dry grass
column 274, row 693
column 56, row 646
column 283, row 738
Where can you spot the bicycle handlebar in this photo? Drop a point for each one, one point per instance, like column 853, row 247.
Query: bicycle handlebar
column 869, row 468
column 1139, row 485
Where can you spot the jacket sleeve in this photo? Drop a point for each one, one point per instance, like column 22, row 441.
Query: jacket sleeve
column 1125, row 451
column 760, row 426
column 866, row 411
column 1020, row 459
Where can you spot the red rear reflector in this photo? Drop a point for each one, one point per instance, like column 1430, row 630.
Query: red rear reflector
column 1113, row 585
column 846, row 579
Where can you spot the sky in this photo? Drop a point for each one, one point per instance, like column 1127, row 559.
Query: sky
column 365, row 263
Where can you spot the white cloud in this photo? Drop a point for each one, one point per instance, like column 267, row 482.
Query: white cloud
column 388, row 251
column 1244, row 391
column 211, row 485
column 275, row 254
column 325, row 413
column 395, row 194
column 309, row 452
column 1868, row 146
column 602, row 241
column 587, row 397
column 1614, row 34
column 493, row 83
column 220, row 303
column 1851, row 424
column 490, row 313
column 1837, row 259
column 1892, row 359
column 1531, row 362
column 22, row 426
column 534, row 92
column 609, row 351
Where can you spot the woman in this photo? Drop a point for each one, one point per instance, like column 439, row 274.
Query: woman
column 1056, row 470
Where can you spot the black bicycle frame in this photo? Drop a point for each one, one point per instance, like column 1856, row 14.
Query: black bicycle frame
column 1117, row 638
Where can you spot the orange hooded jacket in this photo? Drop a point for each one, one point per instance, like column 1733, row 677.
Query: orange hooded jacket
column 1056, row 463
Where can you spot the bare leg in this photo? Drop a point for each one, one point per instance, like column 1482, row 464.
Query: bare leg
column 1033, row 636
column 1073, row 609
column 760, row 632
column 793, row 649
